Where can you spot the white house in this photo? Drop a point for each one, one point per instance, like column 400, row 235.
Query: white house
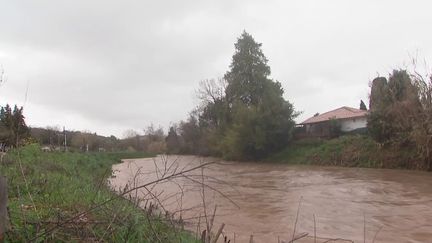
column 348, row 118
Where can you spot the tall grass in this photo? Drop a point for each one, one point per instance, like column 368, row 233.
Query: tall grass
column 46, row 190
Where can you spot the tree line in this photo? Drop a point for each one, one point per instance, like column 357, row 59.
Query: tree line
column 14, row 132
column 150, row 140
column 244, row 116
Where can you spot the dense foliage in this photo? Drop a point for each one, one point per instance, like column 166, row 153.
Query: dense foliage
column 348, row 150
column 400, row 113
column 242, row 116
column 13, row 128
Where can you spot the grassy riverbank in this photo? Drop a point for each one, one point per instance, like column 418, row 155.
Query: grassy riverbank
column 51, row 196
column 348, row 150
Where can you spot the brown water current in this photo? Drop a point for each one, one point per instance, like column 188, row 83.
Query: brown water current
column 263, row 199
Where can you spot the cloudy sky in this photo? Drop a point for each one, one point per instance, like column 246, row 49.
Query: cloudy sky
column 108, row 66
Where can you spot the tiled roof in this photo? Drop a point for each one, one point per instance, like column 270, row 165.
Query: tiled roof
column 340, row 113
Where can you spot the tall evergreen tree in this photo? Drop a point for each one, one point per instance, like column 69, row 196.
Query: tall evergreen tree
column 260, row 119
column 393, row 106
column 363, row 106
column 379, row 95
column 12, row 125
column 248, row 72
column 172, row 141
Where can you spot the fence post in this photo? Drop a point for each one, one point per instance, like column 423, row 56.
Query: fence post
column 3, row 207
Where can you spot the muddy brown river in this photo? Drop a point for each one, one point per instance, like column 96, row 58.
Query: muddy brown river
column 269, row 200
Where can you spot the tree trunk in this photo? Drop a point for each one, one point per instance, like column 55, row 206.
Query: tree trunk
column 3, row 207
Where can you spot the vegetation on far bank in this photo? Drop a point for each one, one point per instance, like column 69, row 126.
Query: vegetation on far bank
column 48, row 190
column 347, row 150
column 244, row 117
column 399, row 130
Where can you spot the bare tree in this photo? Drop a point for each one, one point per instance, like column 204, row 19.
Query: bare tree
column 211, row 90
column 130, row 133
column 422, row 128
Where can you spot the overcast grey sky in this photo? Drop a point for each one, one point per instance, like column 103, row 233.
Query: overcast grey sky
column 108, row 66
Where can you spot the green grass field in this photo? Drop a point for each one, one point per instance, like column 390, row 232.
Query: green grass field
column 49, row 193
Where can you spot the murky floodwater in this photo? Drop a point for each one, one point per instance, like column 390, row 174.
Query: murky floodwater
column 263, row 199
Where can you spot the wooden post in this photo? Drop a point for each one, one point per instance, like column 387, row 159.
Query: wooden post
column 3, row 207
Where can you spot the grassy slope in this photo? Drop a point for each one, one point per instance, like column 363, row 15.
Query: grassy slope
column 349, row 150
column 62, row 185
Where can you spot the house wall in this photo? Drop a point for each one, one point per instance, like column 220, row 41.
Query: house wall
column 353, row 123
column 321, row 129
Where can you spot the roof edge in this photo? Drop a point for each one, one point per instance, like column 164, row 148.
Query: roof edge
column 353, row 110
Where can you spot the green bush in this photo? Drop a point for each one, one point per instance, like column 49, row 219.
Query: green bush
column 347, row 150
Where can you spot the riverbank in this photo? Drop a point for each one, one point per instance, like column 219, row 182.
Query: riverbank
column 55, row 196
column 348, row 151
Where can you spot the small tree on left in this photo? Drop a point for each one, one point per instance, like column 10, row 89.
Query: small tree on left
column 13, row 128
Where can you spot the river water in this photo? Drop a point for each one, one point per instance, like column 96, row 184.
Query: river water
column 269, row 200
